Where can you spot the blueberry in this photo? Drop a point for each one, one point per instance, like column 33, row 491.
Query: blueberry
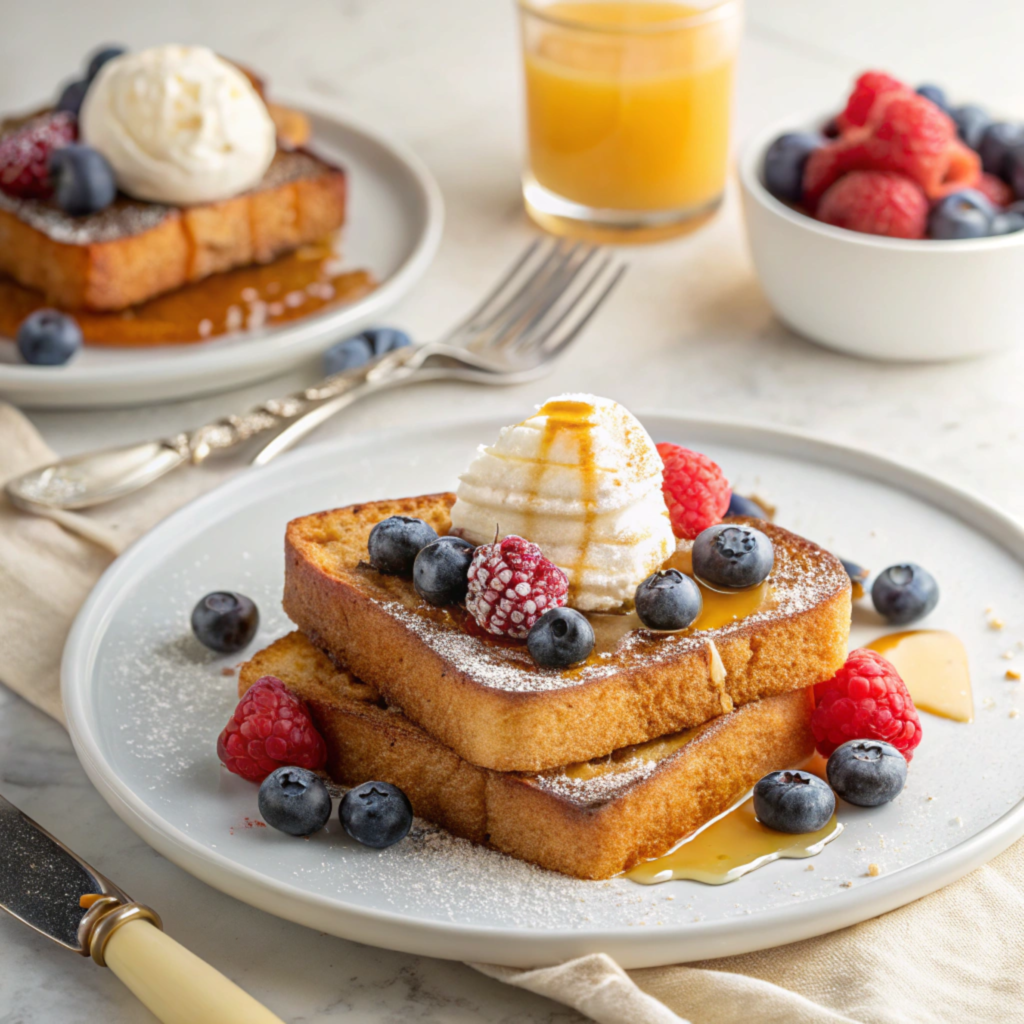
column 439, row 570
column 83, row 181
column 225, row 621
column 936, row 94
column 48, row 337
column 560, row 637
column 376, row 814
column 1006, row 223
column 971, row 122
column 347, row 355
column 386, row 339
column 964, row 214
column 740, row 506
column 71, row 96
column 832, row 129
column 1015, row 176
column 99, row 58
column 867, row 772
column 668, row 600
column 733, row 556
column 793, row 802
column 295, row 801
column 396, row 541
column 784, row 164
column 904, row 593
column 997, row 142
column 858, row 577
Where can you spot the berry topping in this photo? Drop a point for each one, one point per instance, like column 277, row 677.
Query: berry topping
column 376, row 814
column 794, row 802
column 966, row 214
column 82, row 180
column 511, row 585
column 359, row 350
column 48, row 338
column 668, row 600
column 865, row 700
column 867, row 773
column 396, row 541
column 732, row 556
column 995, row 190
column 740, row 506
column 784, row 164
column 270, row 728
column 99, row 58
column 440, row 570
column 877, row 203
column 904, row 593
column 1007, row 223
column 936, row 95
column 696, row 491
column 962, row 171
column 25, row 154
column 971, row 122
column 295, row 801
column 560, row 637
column 225, row 621
column 866, row 90
column 71, row 96
column 997, row 144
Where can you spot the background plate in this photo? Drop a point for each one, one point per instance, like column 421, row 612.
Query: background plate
column 395, row 220
column 145, row 704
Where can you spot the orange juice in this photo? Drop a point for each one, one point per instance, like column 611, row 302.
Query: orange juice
column 628, row 102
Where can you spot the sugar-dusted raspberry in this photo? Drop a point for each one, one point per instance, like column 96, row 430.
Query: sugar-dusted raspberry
column 994, row 189
column 270, row 728
column 877, row 203
column 511, row 585
column 865, row 700
column 25, row 154
column 866, row 90
column 696, row 491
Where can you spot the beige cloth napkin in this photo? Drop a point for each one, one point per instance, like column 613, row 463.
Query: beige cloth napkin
column 954, row 956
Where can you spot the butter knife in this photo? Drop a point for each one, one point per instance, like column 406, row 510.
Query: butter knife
column 53, row 891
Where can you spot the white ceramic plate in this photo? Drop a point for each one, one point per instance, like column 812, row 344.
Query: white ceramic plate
column 145, row 704
column 395, row 220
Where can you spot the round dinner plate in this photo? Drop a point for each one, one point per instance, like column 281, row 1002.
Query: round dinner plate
column 145, row 704
column 394, row 222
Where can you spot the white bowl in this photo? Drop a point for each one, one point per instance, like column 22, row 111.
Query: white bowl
column 884, row 298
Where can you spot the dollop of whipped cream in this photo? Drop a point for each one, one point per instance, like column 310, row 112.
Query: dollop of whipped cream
column 581, row 478
column 179, row 125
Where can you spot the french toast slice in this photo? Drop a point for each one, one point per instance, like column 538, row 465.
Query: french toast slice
column 134, row 251
column 493, row 706
column 589, row 820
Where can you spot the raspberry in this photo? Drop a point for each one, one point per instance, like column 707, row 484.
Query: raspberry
column 270, row 728
column 511, row 585
column 994, row 189
column 868, row 88
column 865, row 700
column 964, row 171
column 876, row 202
column 695, row 489
column 24, row 154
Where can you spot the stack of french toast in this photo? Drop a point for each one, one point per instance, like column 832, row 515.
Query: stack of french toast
column 588, row 769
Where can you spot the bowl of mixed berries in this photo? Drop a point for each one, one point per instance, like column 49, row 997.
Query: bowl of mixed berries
column 894, row 228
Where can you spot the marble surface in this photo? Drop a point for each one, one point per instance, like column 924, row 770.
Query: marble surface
column 689, row 330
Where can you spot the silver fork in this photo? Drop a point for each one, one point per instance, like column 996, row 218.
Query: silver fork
column 525, row 322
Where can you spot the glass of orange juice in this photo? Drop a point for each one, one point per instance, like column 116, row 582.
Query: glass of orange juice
column 627, row 114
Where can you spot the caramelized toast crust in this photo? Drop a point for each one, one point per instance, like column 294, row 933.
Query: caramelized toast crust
column 494, row 707
column 590, row 820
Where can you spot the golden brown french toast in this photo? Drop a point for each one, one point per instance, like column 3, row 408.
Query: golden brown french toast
column 590, row 820
column 493, row 706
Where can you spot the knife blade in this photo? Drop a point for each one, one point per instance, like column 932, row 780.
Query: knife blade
column 47, row 886
column 42, row 881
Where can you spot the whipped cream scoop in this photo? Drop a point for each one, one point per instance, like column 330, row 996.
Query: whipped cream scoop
column 179, row 125
column 581, row 478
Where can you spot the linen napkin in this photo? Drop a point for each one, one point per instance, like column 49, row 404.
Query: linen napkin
column 954, row 956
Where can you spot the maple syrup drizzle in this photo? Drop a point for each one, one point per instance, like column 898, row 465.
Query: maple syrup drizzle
column 933, row 664
column 304, row 282
column 731, row 846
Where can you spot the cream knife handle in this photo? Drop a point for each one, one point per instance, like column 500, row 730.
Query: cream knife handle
column 175, row 984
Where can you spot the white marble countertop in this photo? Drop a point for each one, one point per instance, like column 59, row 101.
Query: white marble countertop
column 689, row 330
